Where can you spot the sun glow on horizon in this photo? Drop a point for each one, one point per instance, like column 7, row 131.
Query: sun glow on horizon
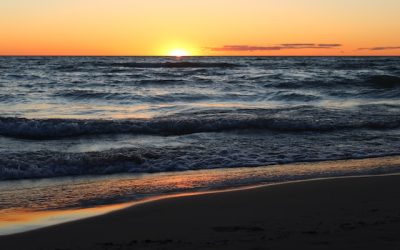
column 179, row 53
column 199, row 28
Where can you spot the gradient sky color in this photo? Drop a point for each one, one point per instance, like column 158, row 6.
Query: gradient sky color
column 201, row 27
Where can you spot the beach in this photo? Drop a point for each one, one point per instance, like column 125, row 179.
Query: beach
column 342, row 213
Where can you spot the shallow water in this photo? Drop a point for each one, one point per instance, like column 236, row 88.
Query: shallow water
column 30, row 204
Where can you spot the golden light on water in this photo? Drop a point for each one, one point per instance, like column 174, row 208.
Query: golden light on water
column 46, row 213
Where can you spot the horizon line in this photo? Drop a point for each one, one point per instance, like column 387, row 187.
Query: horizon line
column 61, row 55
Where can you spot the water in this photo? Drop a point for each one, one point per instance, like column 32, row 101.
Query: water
column 149, row 118
column 30, row 204
column 62, row 116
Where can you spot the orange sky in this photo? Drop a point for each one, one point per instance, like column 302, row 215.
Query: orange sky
column 201, row 27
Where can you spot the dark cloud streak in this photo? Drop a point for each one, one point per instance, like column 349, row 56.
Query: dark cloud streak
column 297, row 44
column 244, row 48
column 284, row 46
column 380, row 48
column 330, row 45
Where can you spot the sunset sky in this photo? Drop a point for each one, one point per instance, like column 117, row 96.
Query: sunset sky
column 200, row 27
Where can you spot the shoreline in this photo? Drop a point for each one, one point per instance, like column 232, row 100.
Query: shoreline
column 117, row 218
column 14, row 221
column 125, row 174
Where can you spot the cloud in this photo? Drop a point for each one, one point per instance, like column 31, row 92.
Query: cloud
column 244, row 48
column 380, row 48
column 330, row 45
column 297, row 44
column 284, row 46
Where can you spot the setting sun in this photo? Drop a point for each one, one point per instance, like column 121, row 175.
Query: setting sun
column 178, row 53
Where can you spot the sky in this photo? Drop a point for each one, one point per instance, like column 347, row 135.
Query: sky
column 199, row 27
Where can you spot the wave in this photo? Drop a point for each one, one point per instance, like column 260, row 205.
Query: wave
column 289, row 120
column 176, row 65
column 144, row 82
column 385, row 81
column 355, row 65
column 42, row 164
column 125, row 96
column 285, row 96
column 357, row 83
column 48, row 164
column 90, row 94
column 145, row 65
column 6, row 97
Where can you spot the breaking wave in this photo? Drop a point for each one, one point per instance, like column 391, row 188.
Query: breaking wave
column 290, row 120
column 68, row 115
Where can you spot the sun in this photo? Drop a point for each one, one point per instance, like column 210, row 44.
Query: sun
column 178, row 53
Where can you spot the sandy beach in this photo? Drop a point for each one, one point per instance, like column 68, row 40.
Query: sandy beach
column 346, row 213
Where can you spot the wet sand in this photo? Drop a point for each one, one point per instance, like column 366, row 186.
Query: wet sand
column 347, row 213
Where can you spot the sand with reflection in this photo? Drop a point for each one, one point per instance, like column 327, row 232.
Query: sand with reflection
column 51, row 202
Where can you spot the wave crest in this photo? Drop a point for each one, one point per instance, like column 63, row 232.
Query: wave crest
column 385, row 81
column 291, row 120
